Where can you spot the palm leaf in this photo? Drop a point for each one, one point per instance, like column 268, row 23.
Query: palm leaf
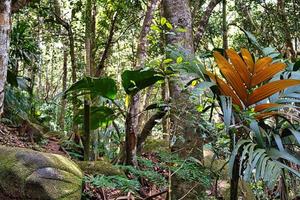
column 270, row 89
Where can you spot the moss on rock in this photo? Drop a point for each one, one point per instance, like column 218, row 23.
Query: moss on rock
column 27, row 174
column 100, row 167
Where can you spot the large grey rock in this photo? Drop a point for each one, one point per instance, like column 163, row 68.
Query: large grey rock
column 27, row 174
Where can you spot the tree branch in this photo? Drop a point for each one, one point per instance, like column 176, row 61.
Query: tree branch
column 149, row 125
column 107, row 46
column 204, row 21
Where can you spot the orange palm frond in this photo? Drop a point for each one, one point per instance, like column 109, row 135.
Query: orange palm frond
column 266, row 73
column 265, row 106
column 231, row 76
column 266, row 114
column 225, row 89
column 248, row 59
column 262, row 63
column 270, row 89
column 242, row 75
column 240, row 66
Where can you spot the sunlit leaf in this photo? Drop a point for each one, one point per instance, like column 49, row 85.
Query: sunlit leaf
column 269, row 89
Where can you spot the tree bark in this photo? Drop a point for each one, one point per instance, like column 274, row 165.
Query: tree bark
column 148, row 128
column 5, row 26
column 132, row 117
column 204, row 21
column 224, row 13
column 107, row 45
column 178, row 13
column 64, row 87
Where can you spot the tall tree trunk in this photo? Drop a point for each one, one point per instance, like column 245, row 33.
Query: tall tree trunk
column 61, row 119
column 179, row 14
column 132, row 115
column 204, row 21
column 225, row 37
column 5, row 26
column 64, row 87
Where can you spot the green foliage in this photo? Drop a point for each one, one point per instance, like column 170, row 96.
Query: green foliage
column 134, row 81
column 189, row 170
column 105, row 87
column 148, row 174
column 23, row 46
column 100, row 117
column 114, row 182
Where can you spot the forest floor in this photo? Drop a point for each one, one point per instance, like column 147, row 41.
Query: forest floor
column 11, row 136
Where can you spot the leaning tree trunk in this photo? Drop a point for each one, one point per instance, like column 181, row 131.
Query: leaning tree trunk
column 5, row 26
column 179, row 14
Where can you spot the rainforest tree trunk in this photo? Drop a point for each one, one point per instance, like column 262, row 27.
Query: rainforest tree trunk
column 178, row 13
column 5, row 26
column 132, row 118
column 64, row 87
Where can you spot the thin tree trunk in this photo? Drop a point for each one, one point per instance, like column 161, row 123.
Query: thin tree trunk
column 225, row 38
column 5, row 26
column 148, row 128
column 132, row 116
column 87, row 126
column 108, row 45
column 143, row 41
column 68, row 27
column 64, row 87
column 204, row 21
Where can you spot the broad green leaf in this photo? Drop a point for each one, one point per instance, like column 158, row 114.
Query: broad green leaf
column 134, row 81
column 100, row 117
column 105, row 87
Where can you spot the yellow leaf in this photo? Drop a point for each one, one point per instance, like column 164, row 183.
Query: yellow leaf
column 248, row 59
column 194, row 83
column 267, row 73
column 239, row 65
column 232, row 76
column 179, row 60
column 127, row 101
column 270, row 89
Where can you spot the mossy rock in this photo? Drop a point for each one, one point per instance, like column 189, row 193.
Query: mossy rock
column 99, row 167
column 56, row 134
column 28, row 174
column 158, row 145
